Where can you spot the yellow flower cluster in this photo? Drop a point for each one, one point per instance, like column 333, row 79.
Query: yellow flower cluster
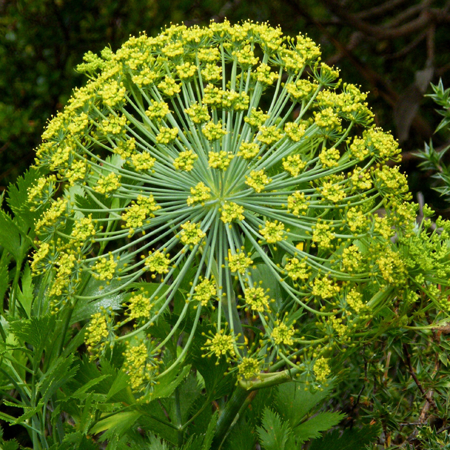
column 191, row 233
column 273, row 232
column 248, row 150
column 166, row 135
column 220, row 160
column 158, row 262
column 139, row 212
column 249, row 368
column 204, row 291
column 294, row 165
column 199, row 194
column 96, row 333
column 297, row 270
column 83, row 229
column 239, row 262
column 256, row 299
column 282, row 334
column 321, row 369
column 232, row 211
column 234, row 149
column 107, row 184
column 105, row 268
column 139, row 306
column 257, row 180
column 221, row 344
column 138, row 367
column 185, row 161
column 39, row 256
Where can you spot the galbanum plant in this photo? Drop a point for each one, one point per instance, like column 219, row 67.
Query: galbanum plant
column 215, row 216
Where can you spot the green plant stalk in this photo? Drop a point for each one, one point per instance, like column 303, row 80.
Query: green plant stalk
column 228, row 415
column 239, row 398
column 178, row 417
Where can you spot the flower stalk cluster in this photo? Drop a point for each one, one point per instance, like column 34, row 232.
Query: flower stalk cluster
column 234, row 156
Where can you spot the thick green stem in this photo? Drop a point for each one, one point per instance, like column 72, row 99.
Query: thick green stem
column 239, row 398
column 228, row 415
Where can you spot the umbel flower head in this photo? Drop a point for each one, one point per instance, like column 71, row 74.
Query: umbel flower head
column 233, row 156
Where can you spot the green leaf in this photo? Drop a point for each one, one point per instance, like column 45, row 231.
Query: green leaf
column 115, row 424
column 59, row 373
column 18, row 200
column 154, row 419
column 4, row 277
column 188, row 392
column 210, row 432
column 10, row 445
column 97, row 288
column 217, row 384
column 28, row 412
column 77, row 440
column 75, row 342
column 242, row 437
column 168, row 383
column 193, row 443
column 274, row 432
column 10, row 236
column 121, row 382
column 34, row 331
column 354, row 439
column 157, row 444
column 293, row 402
column 313, row 428
column 25, row 294
column 81, row 393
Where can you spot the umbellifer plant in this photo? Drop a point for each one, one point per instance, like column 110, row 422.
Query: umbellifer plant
column 218, row 194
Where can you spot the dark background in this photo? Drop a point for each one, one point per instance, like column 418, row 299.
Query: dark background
column 393, row 49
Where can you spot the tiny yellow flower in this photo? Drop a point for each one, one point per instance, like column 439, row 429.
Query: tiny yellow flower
column 199, row 194
column 273, row 232
column 257, row 180
column 232, row 211
column 191, row 233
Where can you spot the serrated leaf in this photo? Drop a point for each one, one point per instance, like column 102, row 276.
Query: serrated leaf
column 59, row 373
column 75, row 342
column 25, row 294
column 77, row 440
column 293, row 402
column 28, row 412
column 274, row 432
column 153, row 419
column 10, row 236
column 210, row 432
column 18, row 199
column 193, row 443
column 157, row 444
column 4, row 276
column 217, row 384
column 242, row 437
column 313, row 428
column 34, row 331
column 10, row 445
column 354, row 439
